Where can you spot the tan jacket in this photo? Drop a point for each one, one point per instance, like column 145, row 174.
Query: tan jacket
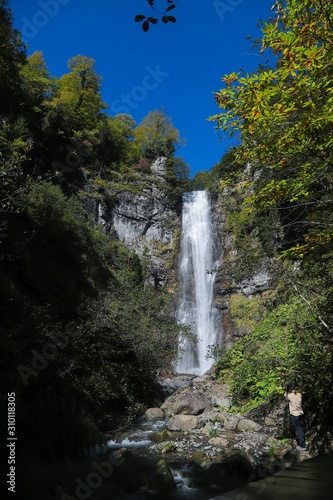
column 295, row 403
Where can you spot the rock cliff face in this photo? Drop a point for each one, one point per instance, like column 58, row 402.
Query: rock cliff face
column 144, row 217
column 251, row 289
column 147, row 224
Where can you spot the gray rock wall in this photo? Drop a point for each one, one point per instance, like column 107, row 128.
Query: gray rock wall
column 253, row 286
column 146, row 223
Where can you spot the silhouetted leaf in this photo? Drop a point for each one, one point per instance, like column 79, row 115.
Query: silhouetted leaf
column 145, row 26
column 169, row 5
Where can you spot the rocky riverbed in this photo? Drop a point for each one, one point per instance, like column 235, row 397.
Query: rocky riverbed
column 194, row 446
column 200, row 426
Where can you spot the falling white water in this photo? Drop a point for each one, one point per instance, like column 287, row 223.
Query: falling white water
column 195, row 306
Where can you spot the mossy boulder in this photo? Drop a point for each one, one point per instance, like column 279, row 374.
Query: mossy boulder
column 160, row 477
column 161, row 436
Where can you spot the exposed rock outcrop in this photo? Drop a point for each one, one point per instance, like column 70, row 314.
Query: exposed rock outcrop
column 146, row 223
column 252, row 285
column 142, row 218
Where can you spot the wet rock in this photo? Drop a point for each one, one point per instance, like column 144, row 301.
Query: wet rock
column 183, row 422
column 160, row 477
column 200, row 458
column 154, row 414
column 168, row 447
column 159, row 437
column 186, row 401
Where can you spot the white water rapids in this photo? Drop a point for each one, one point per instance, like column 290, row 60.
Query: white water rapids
column 196, row 307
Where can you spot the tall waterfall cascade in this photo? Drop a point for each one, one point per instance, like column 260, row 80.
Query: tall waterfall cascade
column 196, row 275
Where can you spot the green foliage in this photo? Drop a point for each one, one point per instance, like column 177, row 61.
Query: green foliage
column 177, row 178
column 256, row 237
column 277, row 206
column 37, row 82
column 52, row 220
column 12, row 57
column 55, row 214
column 50, row 208
column 245, row 312
column 287, row 346
column 114, row 140
column 114, row 355
column 156, row 136
column 283, row 117
column 201, row 181
column 78, row 94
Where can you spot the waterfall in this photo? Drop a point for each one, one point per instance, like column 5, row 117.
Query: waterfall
column 195, row 307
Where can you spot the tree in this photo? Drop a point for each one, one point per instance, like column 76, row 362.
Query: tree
column 283, row 116
column 177, row 176
column 78, row 95
column 113, row 140
column 156, row 135
column 15, row 139
column 36, row 81
column 12, row 57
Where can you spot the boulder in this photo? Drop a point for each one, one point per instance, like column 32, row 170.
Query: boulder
column 187, row 401
column 213, row 416
column 172, row 383
column 183, row 423
column 245, row 424
column 201, row 459
column 218, row 441
column 217, row 393
column 232, row 470
column 161, row 436
column 160, row 477
column 168, row 447
column 278, row 415
column 230, row 422
column 154, row 414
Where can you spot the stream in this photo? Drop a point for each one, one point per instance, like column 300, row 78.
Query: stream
column 189, row 481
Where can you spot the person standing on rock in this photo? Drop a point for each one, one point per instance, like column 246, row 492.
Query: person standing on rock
column 297, row 415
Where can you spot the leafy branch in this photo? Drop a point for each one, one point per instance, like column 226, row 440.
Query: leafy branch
column 308, row 303
column 166, row 18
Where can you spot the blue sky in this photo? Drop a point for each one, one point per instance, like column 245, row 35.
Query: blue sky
column 177, row 66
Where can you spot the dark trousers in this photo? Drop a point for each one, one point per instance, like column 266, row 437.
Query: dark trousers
column 298, row 423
